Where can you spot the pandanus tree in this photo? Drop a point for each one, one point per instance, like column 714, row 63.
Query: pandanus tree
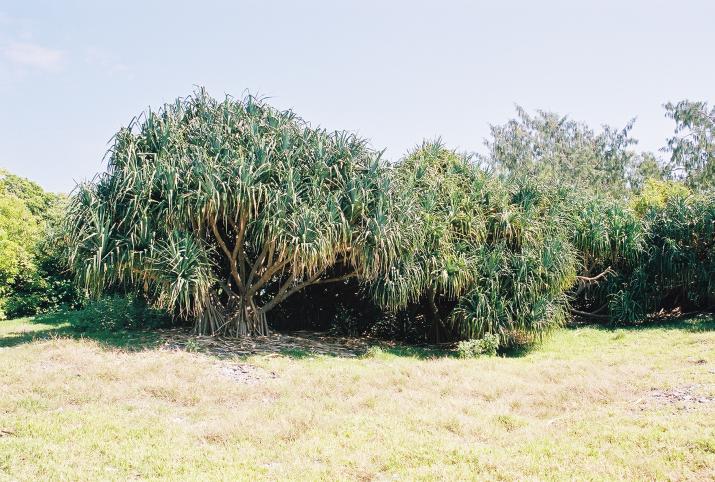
column 492, row 257
column 220, row 210
column 610, row 240
column 656, row 254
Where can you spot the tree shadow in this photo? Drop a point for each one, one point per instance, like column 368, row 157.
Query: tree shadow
column 696, row 322
column 66, row 324
column 296, row 345
column 420, row 352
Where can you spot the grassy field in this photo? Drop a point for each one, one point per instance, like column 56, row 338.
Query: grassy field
column 589, row 403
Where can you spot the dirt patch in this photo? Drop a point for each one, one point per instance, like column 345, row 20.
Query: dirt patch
column 241, row 373
column 685, row 396
column 296, row 344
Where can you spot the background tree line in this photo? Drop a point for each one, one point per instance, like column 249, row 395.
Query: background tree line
column 234, row 216
column 34, row 274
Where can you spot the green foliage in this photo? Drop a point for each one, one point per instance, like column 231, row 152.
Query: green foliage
column 692, row 146
column 559, row 150
column 40, row 203
column 33, row 277
column 117, row 312
column 485, row 346
column 680, row 267
column 605, row 232
column 219, row 210
column 489, row 256
column 658, row 255
column 656, row 194
column 19, row 232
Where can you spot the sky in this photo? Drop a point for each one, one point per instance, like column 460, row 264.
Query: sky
column 396, row 72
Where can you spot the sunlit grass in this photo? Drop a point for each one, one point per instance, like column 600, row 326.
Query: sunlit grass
column 577, row 406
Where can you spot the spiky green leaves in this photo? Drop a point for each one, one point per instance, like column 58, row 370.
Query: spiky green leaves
column 660, row 254
column 497, row 255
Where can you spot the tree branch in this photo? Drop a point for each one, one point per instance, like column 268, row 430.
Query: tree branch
column 229, row 254
column 219, row 238
column 267, row 275
column 586, row 279
column 238, row 251
column 286, row 290
column 334, row 280
column 589, row 315
column 258, row 263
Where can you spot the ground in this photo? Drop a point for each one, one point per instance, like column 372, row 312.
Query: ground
column 588, row 403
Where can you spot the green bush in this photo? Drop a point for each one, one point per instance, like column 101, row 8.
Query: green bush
column 118, row 312
column 485, row 346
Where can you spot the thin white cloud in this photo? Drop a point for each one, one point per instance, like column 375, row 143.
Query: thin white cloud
column 106, row 61
column 35, row 56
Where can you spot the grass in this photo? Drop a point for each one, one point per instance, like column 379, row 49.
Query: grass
column 580, row 406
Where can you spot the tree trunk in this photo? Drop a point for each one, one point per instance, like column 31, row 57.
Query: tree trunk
column 250, row 320
column 434, row 316
column 240, row 315
column 242, row 318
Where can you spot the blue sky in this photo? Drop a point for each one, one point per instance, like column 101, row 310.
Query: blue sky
column 73, row 72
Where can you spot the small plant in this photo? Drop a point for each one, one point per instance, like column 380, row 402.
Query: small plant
column 192, row 346
column 346, row 321
column 374, row 352
column 485, row 346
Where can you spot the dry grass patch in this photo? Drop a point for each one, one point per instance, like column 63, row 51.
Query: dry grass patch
column 75, row 409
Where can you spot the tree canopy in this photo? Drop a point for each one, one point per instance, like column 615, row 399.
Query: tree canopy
column 218, row 211
column 33, row 277
column 692, row 146
column 557, row 149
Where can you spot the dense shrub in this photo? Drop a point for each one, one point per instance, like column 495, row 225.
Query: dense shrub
column 485, row 346
column 232, row 215
column 33, row 271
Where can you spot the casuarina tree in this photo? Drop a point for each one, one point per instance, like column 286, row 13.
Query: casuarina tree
column 220, row 210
